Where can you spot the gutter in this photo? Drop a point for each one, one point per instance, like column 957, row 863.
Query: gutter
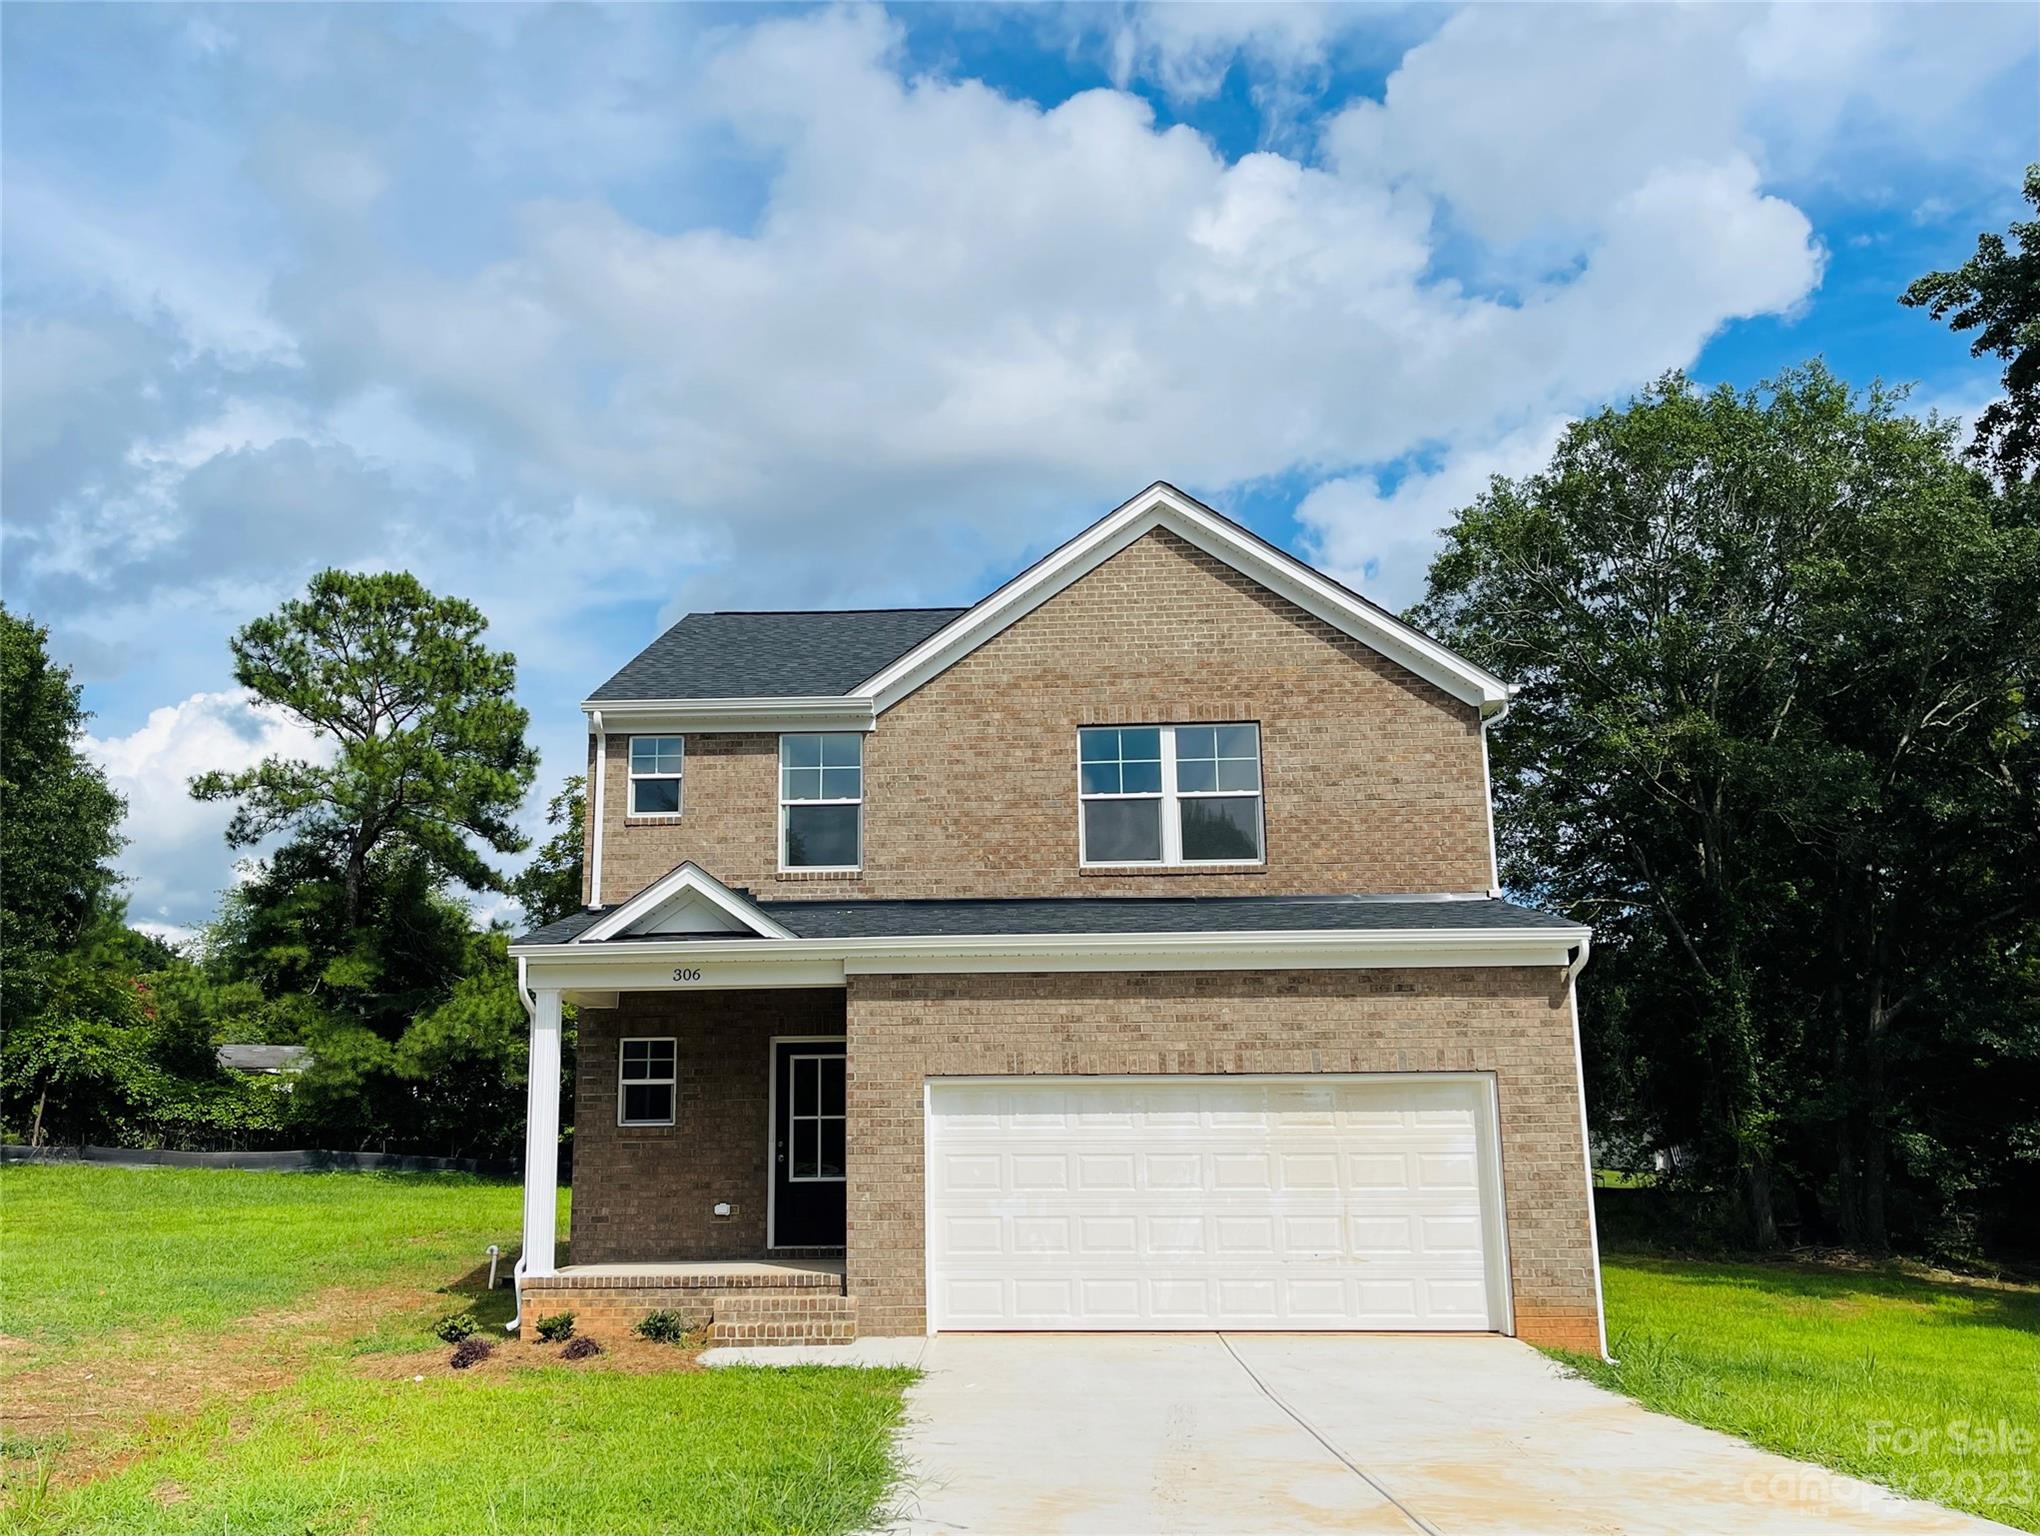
column 601, row 776
column 1579, row 961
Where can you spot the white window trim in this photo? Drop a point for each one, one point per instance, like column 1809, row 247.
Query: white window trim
column 631, row 777
column 1171, row 800
column 622, row 1082
column 794, row 1117
column 779, row 769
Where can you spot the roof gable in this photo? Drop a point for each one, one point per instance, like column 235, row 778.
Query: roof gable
column 688, row 901
column 1163, row 506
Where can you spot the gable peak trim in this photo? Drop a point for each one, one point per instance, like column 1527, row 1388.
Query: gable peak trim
column 689, row 879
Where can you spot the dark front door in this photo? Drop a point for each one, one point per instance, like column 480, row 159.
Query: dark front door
column 807, row 1143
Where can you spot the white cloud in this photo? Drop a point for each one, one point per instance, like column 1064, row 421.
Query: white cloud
column 176, row 844
column 596, row 313
column 1380, row 541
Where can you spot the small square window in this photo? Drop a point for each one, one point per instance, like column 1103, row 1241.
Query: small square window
column 656, row 764
column 646, row 1081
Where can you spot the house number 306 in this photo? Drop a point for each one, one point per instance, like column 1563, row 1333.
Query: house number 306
column 687, row 973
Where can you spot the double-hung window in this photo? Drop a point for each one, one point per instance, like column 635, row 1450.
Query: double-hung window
column 655, row 764
column 821, row 801
column 1170, row 794
column 644, row 1082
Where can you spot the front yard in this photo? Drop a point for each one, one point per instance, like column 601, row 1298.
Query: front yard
column 251, row 1353
column 1930, row 1386
column 248, row 1352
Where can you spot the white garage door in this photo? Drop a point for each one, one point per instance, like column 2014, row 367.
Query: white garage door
column 1198, row 1202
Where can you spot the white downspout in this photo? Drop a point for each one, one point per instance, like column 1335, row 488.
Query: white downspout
column 1572, row 1005
column 601, row 774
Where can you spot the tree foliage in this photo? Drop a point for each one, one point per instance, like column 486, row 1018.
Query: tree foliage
column 1776, row 740
column 1996, row 293
column 428, row 744
column 59, row 822
column 549, row 887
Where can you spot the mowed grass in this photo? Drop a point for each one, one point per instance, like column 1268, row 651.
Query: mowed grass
column 558, row 1449
column 86, row 1252
column 250, row 1353
column 1929, row 1387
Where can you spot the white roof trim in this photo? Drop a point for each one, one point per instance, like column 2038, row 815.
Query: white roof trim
column 679, row 716
column 1163, row 506
column 651, row 964
column 689, row 879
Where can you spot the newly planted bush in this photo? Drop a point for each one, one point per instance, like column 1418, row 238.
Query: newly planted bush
column 581, row 1349
column 664, row 1326
column 455, row 1326
column 471, row 1351
column 559, row 1326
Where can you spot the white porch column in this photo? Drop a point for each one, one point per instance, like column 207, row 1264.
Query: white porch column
column 542, row 1134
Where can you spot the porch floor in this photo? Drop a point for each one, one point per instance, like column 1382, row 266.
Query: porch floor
column 693, row 1272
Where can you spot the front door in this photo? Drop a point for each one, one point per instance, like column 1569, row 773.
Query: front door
column 807, row 1143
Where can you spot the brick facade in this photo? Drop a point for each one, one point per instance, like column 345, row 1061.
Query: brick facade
column 646, row 1193
column 1513, row 1022
column 1374, row 777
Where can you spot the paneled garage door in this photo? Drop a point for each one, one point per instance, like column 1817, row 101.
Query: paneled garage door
column 1336, row 1202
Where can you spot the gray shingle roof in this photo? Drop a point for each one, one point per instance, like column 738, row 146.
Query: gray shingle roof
column 771, row 655
column 1116, row 914
column 264, row 1058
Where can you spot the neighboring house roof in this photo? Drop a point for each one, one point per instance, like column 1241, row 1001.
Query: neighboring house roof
column 871, row 659
column 771, row 655
column 1105, row 915
column 264, row 1058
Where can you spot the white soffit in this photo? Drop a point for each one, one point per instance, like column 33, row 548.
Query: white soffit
column 1163, row 506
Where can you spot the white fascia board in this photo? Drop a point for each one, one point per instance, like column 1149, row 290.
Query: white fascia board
column 689, row 878
column 679, row 716
column 1162, row 506
column 711, row 963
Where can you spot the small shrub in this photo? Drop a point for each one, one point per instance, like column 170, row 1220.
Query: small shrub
column 455, row 1326
column 557, row 1328
column 471, row 1351
column 664, row 1326
column 581, row 1349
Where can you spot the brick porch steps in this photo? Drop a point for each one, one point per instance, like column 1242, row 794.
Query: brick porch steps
column 783, row 1317
column 804, row 1302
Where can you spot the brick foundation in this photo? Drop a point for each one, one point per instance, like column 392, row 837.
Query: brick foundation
column 782, row 1317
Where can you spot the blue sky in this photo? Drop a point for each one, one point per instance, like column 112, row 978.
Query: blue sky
column 598, row 315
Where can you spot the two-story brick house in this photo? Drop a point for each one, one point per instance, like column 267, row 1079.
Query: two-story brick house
column 1121, row 952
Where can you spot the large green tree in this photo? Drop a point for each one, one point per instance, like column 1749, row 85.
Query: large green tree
column 549, row 887
column 59, row 822
column 1776, row 740
column 1996, row 293
column 428, row 749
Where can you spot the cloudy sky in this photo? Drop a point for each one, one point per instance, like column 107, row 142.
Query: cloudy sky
column 595, row 316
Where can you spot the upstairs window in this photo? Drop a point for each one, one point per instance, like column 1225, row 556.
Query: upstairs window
column 1170, row 794
column 821, row 801
column 655, row 763
column 644, row 1082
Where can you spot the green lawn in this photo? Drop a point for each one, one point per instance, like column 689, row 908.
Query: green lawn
column 235, row 1353
column 1908, row 1382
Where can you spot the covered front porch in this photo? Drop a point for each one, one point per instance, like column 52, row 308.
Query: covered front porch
column 709, row 1162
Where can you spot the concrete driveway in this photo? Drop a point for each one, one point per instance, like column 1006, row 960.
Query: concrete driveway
column 1020, row 1434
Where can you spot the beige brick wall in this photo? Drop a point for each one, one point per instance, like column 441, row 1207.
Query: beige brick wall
column 1512, row 1022
column 1373, row 776
column 647, row 1192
